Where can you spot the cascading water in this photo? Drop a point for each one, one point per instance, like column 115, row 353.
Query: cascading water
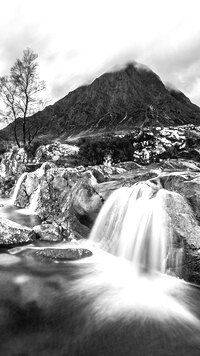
column 18, row 185
column 26, row 216
column 120, row 311
column 133, row 224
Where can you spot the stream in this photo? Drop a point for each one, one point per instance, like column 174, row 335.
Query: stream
column 103, row 305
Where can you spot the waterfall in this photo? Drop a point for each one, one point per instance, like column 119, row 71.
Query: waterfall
column 133, row 224
column 18, row 185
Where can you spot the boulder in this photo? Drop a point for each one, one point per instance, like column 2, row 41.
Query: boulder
column 12, row 233
column 47, row 232
column 22, row 200
column 50, row 255
column 13, row 162
column 31, row 183
column 85, row 204
column 187, row 184
column 55, row 152
column 184, row 240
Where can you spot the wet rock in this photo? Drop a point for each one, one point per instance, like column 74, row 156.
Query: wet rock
column 50, row 255
column 187, row 184
column 184, row 240
column 12, row 233
column 47, row 232
column 31, row 183
column 22, row 199
column 85, row 204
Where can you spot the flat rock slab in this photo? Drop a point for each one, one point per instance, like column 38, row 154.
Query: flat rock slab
column 57, row 254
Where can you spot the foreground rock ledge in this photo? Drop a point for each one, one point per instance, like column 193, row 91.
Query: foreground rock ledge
column 12, row 233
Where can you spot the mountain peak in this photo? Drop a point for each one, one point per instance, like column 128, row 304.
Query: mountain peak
column 118, row 100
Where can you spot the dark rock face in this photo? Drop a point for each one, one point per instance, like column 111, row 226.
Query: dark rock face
column 184, row 242
column 121, row 100
column 14, row 234
column 85, row 204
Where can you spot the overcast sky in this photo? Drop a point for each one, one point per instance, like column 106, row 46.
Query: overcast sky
column 77, row 40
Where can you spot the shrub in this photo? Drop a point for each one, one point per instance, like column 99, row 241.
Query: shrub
column 32, row 148
column 94, row 150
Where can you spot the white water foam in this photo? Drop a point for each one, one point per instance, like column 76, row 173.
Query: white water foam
column 133, row 224
column 18, row 185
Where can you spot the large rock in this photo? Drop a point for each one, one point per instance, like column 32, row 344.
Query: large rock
column 85, row 204
column 47, row 232
column 183, row 207
column 51, row 255
column 31, row 183
column 184, row 239
column 187, row 184
column 12, row 233
column 13, row 162
column 55, row 152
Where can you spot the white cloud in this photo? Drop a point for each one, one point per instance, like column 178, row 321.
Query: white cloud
column 79, row 39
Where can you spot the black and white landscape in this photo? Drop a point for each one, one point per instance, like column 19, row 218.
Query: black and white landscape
column 99, row 178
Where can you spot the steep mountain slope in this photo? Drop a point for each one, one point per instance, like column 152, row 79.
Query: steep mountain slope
column 120, row 100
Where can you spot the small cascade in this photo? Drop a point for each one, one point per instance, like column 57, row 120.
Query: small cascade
column 18, row 185
column 133, row 225
column 34, row 201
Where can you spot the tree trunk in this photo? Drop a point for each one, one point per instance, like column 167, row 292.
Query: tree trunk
column 15, row 134
column 15, row 127
column 24, row 119
column 24, row 131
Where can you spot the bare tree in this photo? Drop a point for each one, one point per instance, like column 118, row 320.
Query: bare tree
column 19, row 92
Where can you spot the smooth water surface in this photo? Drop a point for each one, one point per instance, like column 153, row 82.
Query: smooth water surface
column 95, row 308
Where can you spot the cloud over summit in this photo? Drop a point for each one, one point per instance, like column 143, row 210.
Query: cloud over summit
column 78, row 40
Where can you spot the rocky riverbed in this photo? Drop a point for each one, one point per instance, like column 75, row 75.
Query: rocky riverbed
column 68, row 199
